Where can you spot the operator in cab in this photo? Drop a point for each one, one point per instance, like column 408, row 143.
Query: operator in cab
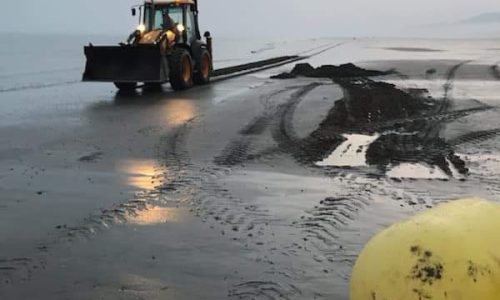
column 169, row 23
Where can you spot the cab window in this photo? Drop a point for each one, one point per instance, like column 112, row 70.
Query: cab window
column 190, row 25
column 175, row 13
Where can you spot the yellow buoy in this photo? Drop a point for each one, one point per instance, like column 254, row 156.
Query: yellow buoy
column 451, row 252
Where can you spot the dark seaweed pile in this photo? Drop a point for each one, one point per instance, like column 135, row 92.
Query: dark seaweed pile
column 329, row 71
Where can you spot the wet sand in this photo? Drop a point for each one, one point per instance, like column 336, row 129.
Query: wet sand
column 225, row 191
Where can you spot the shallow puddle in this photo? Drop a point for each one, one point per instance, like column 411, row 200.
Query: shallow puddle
column 351, row 153
column 416, row 171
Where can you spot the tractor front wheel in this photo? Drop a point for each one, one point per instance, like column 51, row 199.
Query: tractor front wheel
column 181, row 70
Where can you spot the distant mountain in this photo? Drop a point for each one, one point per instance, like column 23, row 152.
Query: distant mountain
column 493, row 17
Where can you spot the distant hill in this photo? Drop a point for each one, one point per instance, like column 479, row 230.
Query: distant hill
column 493, row 17
column 485, row 26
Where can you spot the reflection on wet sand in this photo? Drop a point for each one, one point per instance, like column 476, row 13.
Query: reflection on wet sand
column 154, row 215
column 143, row 174
column 179, row 111
column 140, row 173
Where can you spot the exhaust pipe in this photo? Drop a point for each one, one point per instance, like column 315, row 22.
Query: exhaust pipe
column 208, row 39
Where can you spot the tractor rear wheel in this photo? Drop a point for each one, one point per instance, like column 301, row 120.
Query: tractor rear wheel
column 203, row 68
column 181, row 70
column 126, row 86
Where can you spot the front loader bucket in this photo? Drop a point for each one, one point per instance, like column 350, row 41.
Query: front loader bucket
column 137, row 63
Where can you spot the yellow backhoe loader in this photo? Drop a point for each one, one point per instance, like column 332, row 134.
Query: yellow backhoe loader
column 167, row 46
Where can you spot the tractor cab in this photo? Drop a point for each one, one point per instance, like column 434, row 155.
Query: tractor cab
column 178, row 17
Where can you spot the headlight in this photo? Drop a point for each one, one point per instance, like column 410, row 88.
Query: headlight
column 170, row 36
column 180, row 27
column 141, row 28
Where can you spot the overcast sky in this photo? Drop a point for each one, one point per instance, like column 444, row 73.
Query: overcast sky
column 270, row 18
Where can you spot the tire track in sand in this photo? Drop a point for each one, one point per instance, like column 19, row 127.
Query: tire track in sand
column 239, row 149
column 282, row 130
column 448, row 86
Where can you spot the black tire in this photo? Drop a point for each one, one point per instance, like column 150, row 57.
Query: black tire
column 126, row 86
column 203, row 68
column 181, row 69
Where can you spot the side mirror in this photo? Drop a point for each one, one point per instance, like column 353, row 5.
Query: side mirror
column 134, row 12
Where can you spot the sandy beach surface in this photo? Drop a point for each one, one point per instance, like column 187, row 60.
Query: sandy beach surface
column 248, row 188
